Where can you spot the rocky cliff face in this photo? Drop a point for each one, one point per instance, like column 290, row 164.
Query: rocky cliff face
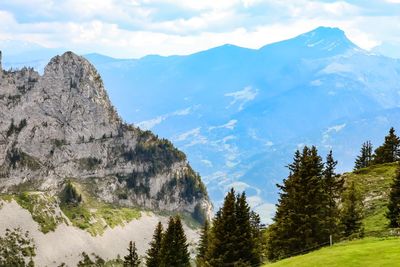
column 62, row 126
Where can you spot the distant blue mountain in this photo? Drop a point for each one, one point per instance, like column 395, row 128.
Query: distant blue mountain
column 240, row 113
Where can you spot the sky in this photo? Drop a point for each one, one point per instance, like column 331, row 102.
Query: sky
column 135, row 28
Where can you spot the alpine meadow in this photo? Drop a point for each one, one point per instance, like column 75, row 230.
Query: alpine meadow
column 232, row 133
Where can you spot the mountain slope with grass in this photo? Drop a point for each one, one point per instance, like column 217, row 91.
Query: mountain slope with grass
column 379, row 246
column 365, row 252
column 374, row 183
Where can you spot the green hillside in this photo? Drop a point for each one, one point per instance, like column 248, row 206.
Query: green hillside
column 374, row 183
column 366, row 252
column 377, row 249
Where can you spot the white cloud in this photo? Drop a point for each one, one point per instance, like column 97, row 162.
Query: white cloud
column 229, row 125
column 149, row 124
column 193, row 137
column 207, row 163
column 242, row 97
column 238, row 186
column 134, row 28
column 333, row 129
column 266, row 212
column 253, row 134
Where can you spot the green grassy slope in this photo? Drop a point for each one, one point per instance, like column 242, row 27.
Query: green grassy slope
column 374, row 183
column 366, row 252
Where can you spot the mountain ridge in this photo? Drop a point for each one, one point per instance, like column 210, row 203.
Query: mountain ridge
column 62, row 125
column 261, row 104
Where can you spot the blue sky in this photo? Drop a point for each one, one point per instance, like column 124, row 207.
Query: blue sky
column 134, row 28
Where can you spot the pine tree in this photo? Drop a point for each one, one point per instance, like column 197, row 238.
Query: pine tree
column 365, row 158
column 352, row 212
column 389, row 151
column 153, row 257
column 234, row 236
column 132, row 259
column 244, row 233
column 393, row 213
column 258, row 236
column 183, row 256
column 222, row 249
column 174, row 247
column 300, row 220
column 333, row 186
column 203, row 245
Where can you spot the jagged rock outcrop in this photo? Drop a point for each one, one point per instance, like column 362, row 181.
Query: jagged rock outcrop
column 61, row 125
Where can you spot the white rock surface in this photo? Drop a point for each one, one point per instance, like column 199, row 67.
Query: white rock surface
column 66, row 243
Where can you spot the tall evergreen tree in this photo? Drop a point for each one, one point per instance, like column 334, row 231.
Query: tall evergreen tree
column 244, row 233
column 203, row 245
column 365, row 158
column 132, row 259
column 174, row 247
column 153, row 257
column 389, row 151
column 352, row 212
column 393, row 213
column 300, row 220
column 233, row 237
column 222, row 249
column 333, row 186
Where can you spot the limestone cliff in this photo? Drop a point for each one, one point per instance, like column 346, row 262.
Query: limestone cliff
column 62, row 125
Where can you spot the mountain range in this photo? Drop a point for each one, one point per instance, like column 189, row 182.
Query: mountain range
column 239, row 114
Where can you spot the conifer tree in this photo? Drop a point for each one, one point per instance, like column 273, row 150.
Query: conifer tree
column 352, row 212
column 393, row 213
column 244, row 233
column 132, row 259
column 333, row 186
column 258, row 236
column 389, row 151
column 222, row 250
column 174, row 247
column 300, row 220
column 365, row 158
column 153, row 257
column 203, row 245
column 233, row 238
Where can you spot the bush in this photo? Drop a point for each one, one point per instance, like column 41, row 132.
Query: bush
column 70, row 195
column 16, row 248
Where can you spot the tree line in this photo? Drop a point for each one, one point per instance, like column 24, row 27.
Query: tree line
column 316, row 204
column 388, row 152
column 233, row 238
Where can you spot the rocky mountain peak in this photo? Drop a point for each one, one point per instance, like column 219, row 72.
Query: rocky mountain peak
column 327, row 38
column 73, row 75
column 62, row 125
